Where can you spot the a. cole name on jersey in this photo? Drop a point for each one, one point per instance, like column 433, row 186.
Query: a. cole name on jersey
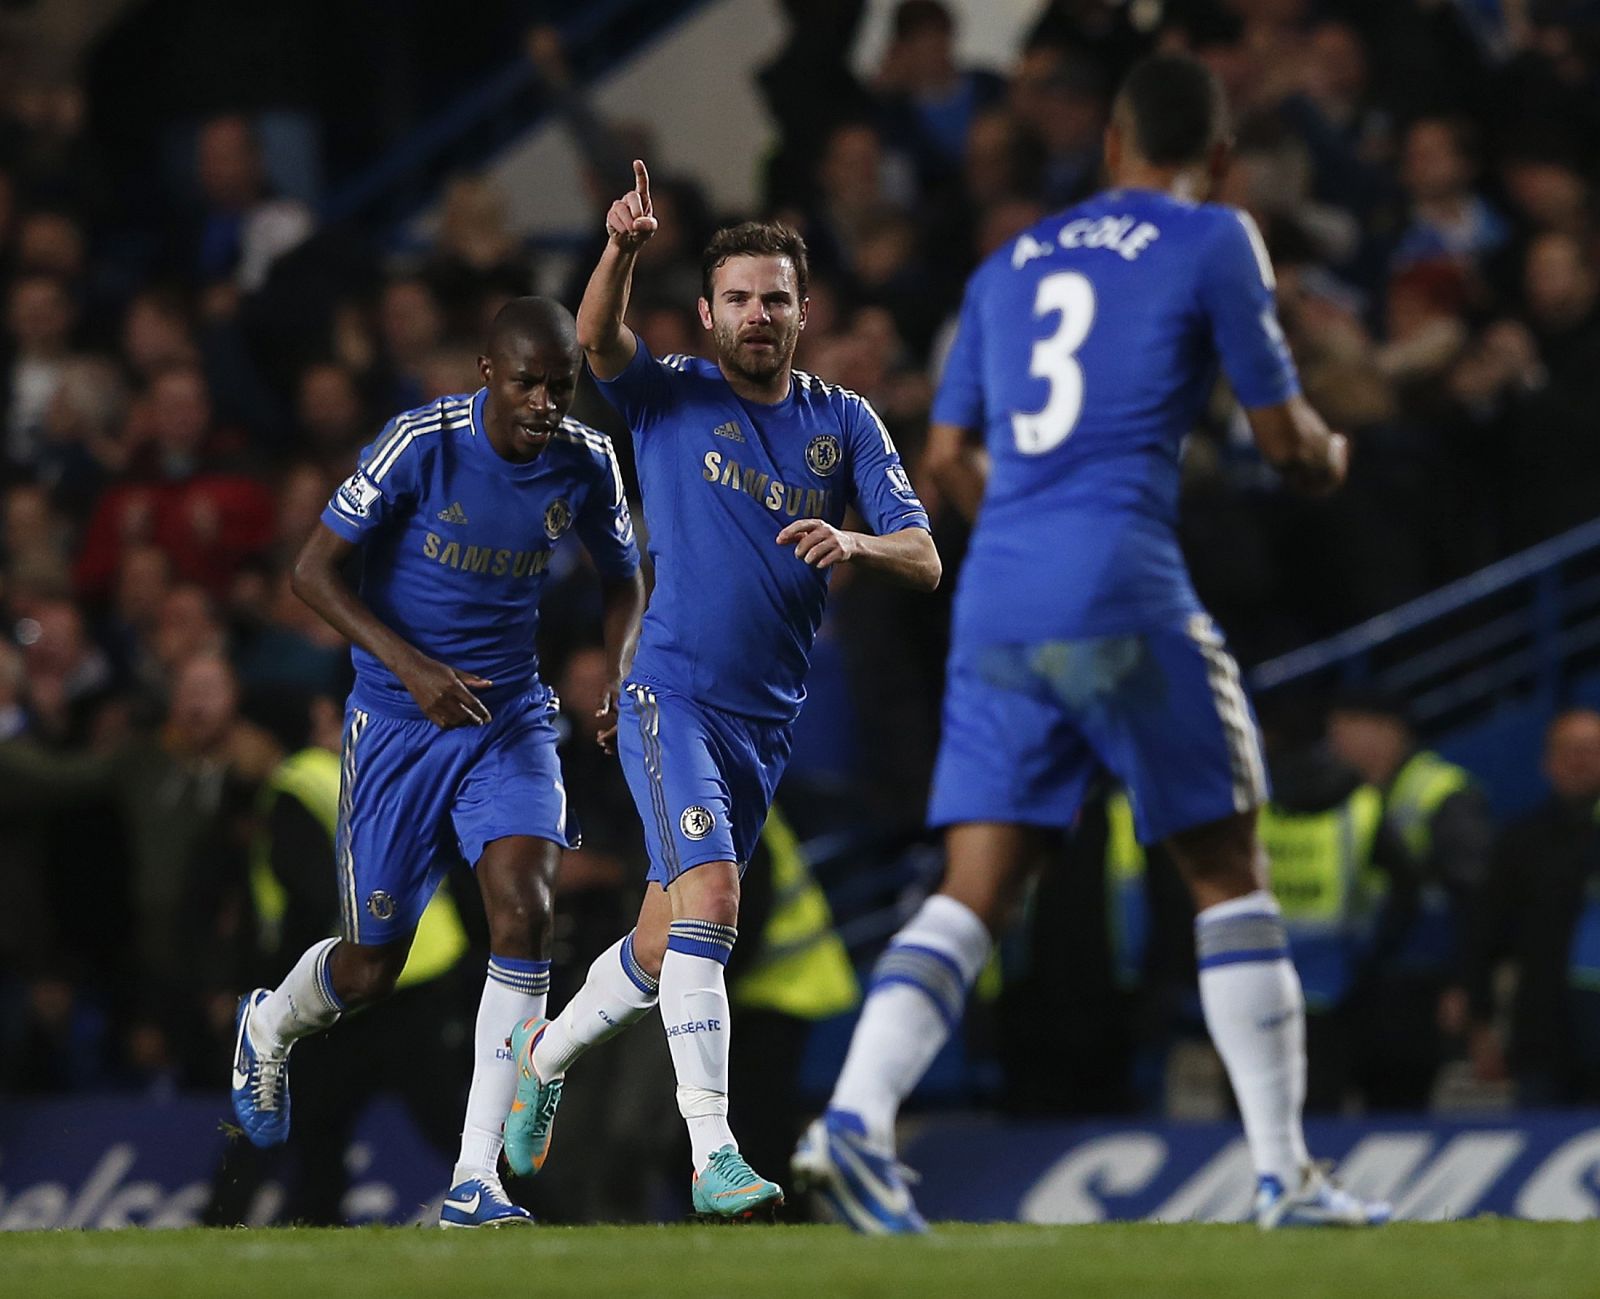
column 1124, row 235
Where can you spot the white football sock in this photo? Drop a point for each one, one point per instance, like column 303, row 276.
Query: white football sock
column 694, row 1012
column 914, row 1002
column 304, row 1003
column 514, row 990
column 616, row 993
column 1255, row 1011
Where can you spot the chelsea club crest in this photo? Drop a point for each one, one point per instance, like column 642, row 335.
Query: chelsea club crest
column 696, row 823
column 822, row 454
column 557, row 519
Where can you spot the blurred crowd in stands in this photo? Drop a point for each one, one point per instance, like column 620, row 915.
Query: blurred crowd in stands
column 191, row 357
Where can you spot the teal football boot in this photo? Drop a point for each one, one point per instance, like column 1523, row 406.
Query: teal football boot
column 533, row 1110
column 729, row 1188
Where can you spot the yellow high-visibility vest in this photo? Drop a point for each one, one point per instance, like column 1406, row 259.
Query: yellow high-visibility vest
column 311, row 778
column 1418, row 791
column 1127, row 918
column 801, row 967
column 1320, row 863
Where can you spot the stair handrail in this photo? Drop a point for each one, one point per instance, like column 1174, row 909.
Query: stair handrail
column 1367, row 636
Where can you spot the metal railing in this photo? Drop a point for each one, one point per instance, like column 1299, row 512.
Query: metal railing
column 505, row 104
column 1516, row 630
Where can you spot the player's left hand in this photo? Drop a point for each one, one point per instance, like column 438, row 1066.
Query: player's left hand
column 608, row 716
column 820, row 544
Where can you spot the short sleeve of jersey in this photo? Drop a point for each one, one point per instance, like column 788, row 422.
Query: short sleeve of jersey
column 642, row 392
column 883, row 492
column 959, row 400
column 385, row 479
column 1236, row 294
column 605, row 523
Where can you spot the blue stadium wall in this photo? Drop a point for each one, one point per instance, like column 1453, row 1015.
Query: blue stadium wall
column 123, row 1163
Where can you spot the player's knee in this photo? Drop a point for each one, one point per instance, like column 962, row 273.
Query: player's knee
column 1220, row 860
column 709, row 892
column 988, row 869
column 993, row 897
column 650, row 949
column 363, row 974
column 520, row 919
column 517, row 878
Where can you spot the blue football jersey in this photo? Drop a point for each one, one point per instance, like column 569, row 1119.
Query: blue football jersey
column 733, row 614
column 1085, row 351
column 455, row 541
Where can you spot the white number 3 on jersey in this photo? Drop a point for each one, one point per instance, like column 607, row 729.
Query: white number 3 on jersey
column 1055, row 360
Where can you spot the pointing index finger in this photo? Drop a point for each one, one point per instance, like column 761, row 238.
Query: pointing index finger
column 795, row 530
column 641, row 183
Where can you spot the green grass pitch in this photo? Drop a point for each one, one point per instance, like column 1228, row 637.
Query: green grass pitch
column 1488, row 1257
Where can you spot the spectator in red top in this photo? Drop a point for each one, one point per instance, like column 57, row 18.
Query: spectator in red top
column 204, row 518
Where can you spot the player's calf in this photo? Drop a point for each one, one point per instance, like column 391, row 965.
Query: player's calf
column 516, row 876
column 988, row 868
column 363, row 973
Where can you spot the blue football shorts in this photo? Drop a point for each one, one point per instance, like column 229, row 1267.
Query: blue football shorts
column 1026, row 728
column 414, row 798
column 701, row 778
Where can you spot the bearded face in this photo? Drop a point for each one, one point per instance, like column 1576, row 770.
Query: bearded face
column 755, row 316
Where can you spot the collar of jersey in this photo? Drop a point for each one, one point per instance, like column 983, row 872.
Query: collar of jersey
column 485, row 448
column 770, row 407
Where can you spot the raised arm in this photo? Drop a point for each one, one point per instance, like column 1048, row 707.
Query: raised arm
column 1296, row 442
column 607, row 342
column 444, row 694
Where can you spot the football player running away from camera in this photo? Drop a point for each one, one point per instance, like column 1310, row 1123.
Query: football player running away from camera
column 1086, row 349
column 747, row 468
column 450, row 737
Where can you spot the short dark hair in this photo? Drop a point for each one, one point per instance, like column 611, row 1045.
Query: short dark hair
column 1374, row 701
column 754, row 239
column 539, row 320
column 1175, row 107
column 913, row 17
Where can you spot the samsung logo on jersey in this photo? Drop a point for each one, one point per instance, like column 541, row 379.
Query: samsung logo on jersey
column 1124, row 235
column 485, row 559
column 777, row 497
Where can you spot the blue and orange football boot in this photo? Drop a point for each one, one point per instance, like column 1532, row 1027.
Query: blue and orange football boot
column 532, row 1119
column 727, row 1187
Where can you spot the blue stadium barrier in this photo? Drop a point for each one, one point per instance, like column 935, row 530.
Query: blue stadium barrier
column 1553, row 613
column 476, row 124
column 120, row 1161
column 115, row 1161
column 1483, row 662
column 1514, row 1165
